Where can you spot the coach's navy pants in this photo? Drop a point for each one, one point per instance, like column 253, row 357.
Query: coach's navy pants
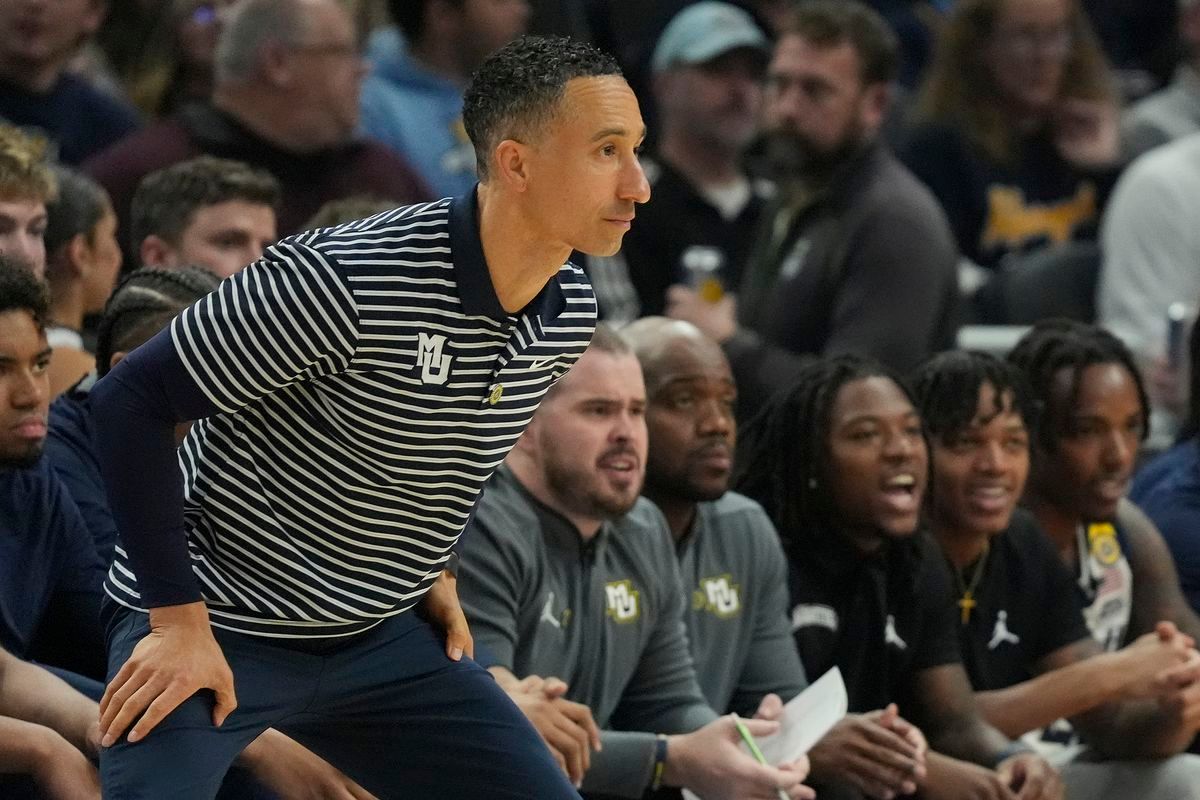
column 390, row 710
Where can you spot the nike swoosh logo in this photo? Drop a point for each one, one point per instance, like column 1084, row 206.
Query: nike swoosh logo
column 541, row 363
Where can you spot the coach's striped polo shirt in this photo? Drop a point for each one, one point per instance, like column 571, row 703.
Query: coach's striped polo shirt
column 364, row 383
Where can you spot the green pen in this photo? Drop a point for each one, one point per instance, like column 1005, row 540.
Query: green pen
column 754, row 751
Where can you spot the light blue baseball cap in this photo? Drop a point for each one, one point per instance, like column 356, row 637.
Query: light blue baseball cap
column 705, row 30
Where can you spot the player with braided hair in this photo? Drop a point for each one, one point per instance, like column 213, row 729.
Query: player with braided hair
column 1094, row 417
column 839, row 462
column 142, row 305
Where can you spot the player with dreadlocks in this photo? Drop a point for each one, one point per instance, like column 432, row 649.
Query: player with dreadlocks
column 1025, row 645
column 1094, row 417
column 839, row 462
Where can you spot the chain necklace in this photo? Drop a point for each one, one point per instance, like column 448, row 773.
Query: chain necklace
column 967, row 602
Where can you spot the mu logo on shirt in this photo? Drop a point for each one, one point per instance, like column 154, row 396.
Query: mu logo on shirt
column 719, row 596
column 622, row 601
column 435, row 367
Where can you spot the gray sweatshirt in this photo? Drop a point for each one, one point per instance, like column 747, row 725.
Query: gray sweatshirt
column 735, row 572
column 606, row 616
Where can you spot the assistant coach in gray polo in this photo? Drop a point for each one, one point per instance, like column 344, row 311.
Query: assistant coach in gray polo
column 569, row 576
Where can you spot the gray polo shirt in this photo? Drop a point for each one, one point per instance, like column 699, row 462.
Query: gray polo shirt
column 606, row 616
column 735, row 575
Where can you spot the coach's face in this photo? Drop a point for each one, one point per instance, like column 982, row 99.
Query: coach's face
column 585, row 177
column 24, row 388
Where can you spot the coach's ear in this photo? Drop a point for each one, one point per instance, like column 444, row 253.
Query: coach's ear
column 512, row 163
column 116, row 358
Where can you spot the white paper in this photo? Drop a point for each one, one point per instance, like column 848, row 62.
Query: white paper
column 807, row 718
column 805, row 721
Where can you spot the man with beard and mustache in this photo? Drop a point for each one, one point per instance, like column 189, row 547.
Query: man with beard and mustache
column 570, row 583
column 854, row 255
column 699, row 222
column 50, row 575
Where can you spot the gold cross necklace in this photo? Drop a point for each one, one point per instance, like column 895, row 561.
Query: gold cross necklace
column 967, row 602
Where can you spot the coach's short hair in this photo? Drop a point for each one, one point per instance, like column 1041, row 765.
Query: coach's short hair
column 518, row 88
column 166, row 199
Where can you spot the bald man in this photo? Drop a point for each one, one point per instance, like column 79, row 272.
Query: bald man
column 729, row 554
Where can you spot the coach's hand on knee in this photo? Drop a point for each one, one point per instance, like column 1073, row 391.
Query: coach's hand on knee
column 444, row 610
column 178, row 658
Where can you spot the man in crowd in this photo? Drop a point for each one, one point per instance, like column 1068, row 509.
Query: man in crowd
column 51, row 576
column 853, row 241
column 697, row 227
column 26, row 184
column 285, row 100
column 569, row 578
column 37, row 90
column 205, row 212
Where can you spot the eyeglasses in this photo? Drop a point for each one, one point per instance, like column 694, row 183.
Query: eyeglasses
column 1025, row 43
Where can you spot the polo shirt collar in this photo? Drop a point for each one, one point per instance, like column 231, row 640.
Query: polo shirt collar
column 475, row 288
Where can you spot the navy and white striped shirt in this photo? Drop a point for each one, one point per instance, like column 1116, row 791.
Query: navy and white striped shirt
column 365, row 382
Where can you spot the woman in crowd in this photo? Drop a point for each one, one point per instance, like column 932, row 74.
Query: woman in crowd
column 82, row 261
column 1016, row 126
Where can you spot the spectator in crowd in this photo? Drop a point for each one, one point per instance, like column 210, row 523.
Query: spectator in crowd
column 347, row 209
column 703, row 210
column 144, row 303
column 853, row 241
column 82, row 262
column 50, row 574
column 1151, row 248
column 1016, row 128
column 1094, row 416
column 173, row 63
column 1173, row 111
column 206, row 212
column 413, row 102
column 1025, row 645
column 37, row 42
column 26, row 185
column 839, row 462
column 1168, row 488
column 733, row 567
column 568, row 577
column 286, row 101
